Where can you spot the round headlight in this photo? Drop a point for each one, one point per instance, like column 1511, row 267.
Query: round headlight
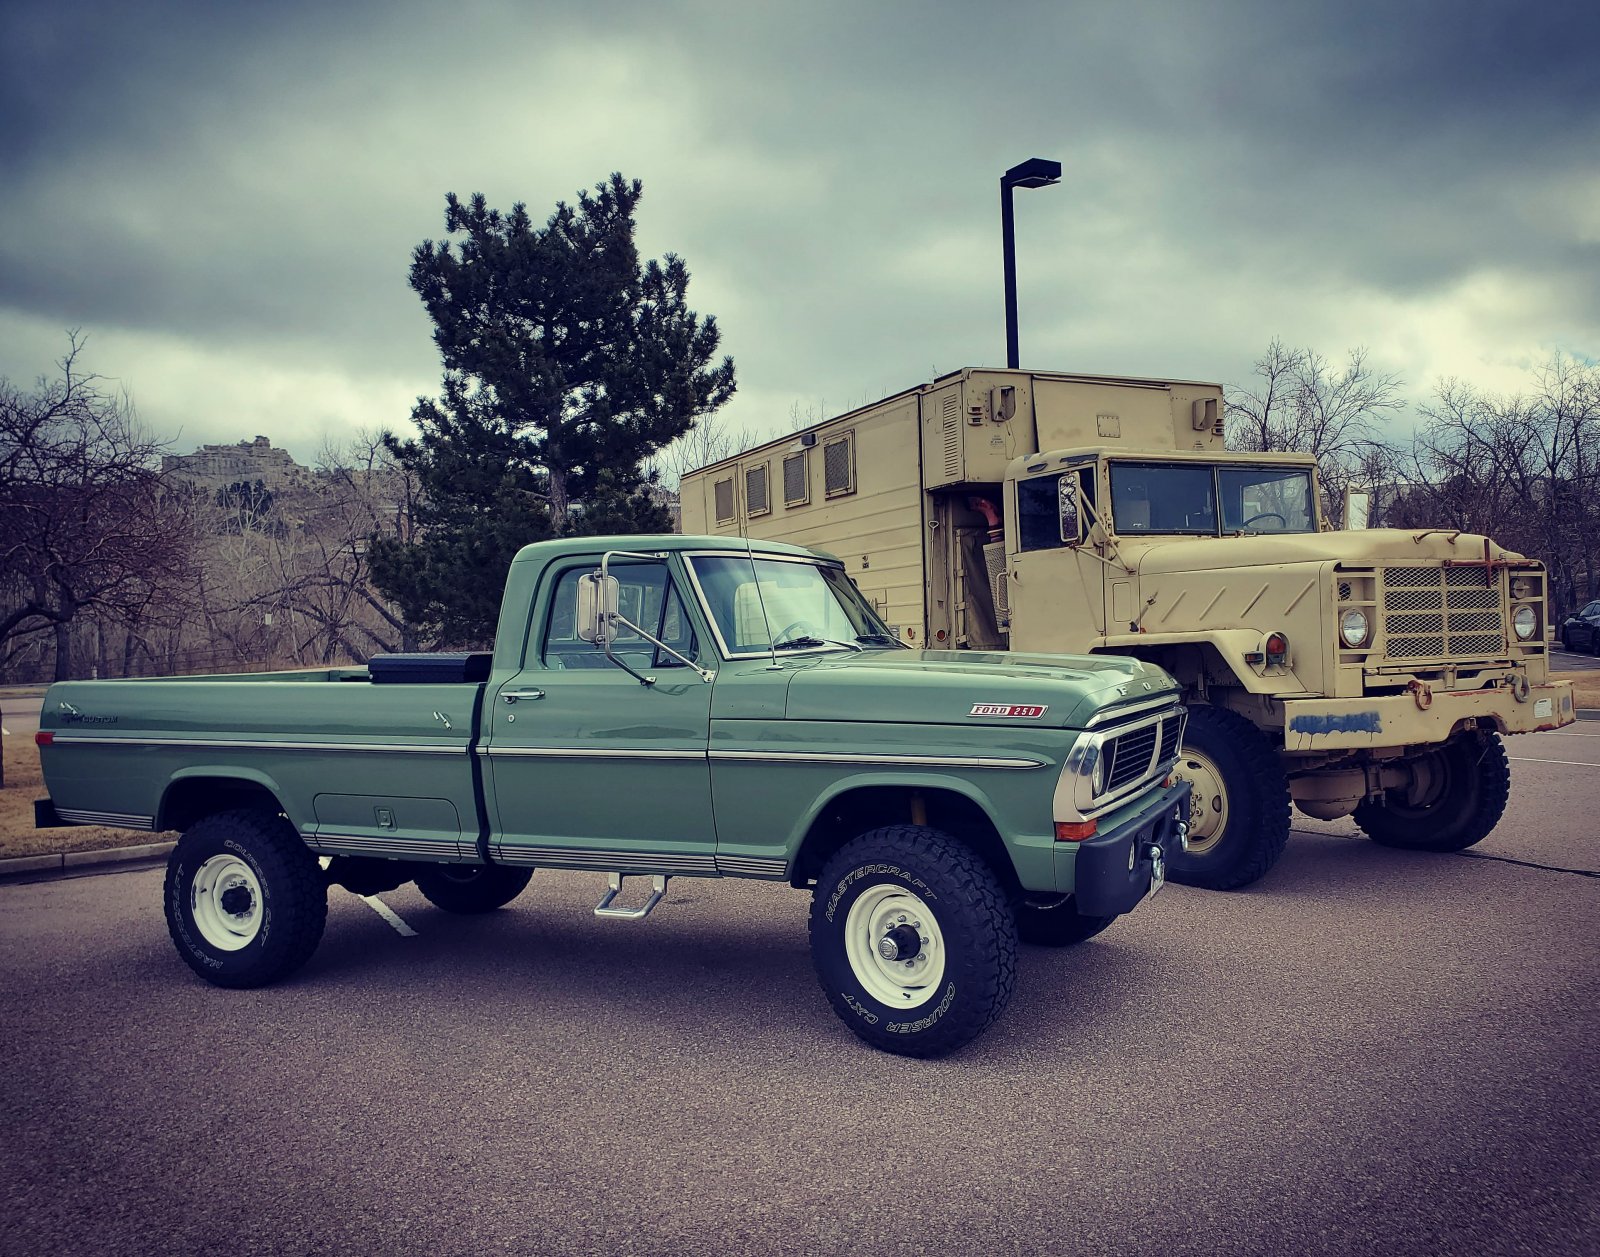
column 1522, row 587
column 1102, row 764
column 1525, row 622
column 1353, row 627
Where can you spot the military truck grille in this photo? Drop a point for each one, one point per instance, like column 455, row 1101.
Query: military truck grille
column 1442, row 612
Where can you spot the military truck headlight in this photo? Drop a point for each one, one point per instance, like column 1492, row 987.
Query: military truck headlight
column 1522, row 587
column 1525, row 622
column 1354, row 628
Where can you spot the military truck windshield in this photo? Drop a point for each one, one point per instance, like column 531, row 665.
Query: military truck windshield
column 1184, row 497
column 760, row 603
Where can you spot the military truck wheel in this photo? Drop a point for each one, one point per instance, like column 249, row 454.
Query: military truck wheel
column 1238, row 801
column 1456, row 797
column 913, row 940
column 1057, row 924
column 245, row 898
column 471, row 888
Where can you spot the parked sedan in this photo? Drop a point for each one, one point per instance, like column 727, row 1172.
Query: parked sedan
column 1582, row 630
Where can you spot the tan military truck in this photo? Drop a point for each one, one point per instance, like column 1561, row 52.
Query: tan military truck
column 1366, row 673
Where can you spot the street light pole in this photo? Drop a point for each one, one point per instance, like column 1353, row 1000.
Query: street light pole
column 1036, row 172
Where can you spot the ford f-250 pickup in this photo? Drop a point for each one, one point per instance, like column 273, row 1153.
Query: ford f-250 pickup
column 662, row 707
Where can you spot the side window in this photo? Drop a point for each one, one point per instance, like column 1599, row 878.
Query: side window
column 1039, row 511
column 646, row 596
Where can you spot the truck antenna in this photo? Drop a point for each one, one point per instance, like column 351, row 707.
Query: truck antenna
column 772, row 646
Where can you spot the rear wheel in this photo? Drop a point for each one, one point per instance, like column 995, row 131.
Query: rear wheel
column 1238, row 801
column 913, row 940
column 1456, row 797
column 471, row 888
column 245, row 899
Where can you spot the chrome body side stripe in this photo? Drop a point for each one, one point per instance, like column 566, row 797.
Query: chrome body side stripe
column 582, row 752
column 116, row 820
column 888, row 761
column 217, row 744
column 752, row 866
column 392, row 848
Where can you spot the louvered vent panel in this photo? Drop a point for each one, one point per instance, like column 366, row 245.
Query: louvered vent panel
column 722, row 491
column 838, row 466
column 796, row 484
column 756, row 500
column 952, row 437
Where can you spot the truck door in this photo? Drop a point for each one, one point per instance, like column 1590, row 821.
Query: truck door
column 588, row 768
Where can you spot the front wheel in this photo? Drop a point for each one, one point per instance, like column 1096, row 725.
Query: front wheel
column 245, row 898
column 913, row 940
column 469, row 889
column 1456, row 796
column 1238, row 801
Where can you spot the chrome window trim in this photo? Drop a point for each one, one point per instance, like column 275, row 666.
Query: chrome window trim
column 716, row 629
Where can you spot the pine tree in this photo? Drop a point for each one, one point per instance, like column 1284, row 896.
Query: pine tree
column 567, row 364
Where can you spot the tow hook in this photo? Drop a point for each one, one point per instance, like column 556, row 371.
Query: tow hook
column 1183, row 835
column 1422, row 693
column 1158, row 866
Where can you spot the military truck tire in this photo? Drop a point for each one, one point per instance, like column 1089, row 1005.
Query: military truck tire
column 951, row 957
column 471, row 888
column 1239, row 801
column 1057, row 924
column 1464, row 794
column 245, row 899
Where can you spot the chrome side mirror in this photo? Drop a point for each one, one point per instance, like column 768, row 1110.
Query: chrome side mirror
column 599, row 601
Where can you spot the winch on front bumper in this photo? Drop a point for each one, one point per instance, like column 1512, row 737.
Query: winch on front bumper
column 1110, row 873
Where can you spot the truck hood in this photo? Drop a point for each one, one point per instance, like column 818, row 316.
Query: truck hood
column 1373, row 545
column 943, row 687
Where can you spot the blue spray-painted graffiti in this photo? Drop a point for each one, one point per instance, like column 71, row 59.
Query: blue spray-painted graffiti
column 1351, row 722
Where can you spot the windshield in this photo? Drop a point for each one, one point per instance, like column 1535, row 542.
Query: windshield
column 762, row 604
column 1183, row 498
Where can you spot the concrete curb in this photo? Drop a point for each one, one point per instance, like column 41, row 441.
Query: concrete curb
column 49, row 868
column 1589, row 713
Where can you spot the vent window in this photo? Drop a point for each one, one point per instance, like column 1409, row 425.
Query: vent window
column 839, row 465
column 757, row 501
column 796, row 480
column 722, row 491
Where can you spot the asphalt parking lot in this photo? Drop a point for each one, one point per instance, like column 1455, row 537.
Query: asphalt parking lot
column 1369, row 1052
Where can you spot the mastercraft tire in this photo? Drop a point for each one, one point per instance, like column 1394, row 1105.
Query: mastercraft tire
column 245, row 899
column 471, row 888
column 1238, row 802
column 1057, row 925
column 1460, row 794
column 913, row 940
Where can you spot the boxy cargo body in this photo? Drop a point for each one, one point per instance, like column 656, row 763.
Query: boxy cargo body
column 1368, row 673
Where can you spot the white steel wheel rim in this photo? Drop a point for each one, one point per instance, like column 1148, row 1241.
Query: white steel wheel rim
column 225, row 901
column 1208, row 801
column 894, row 913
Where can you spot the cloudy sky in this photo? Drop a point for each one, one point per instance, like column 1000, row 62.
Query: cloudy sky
column 224, row 197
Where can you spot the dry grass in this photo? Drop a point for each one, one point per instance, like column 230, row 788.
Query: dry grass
column 23, row 785
column 1585, row 686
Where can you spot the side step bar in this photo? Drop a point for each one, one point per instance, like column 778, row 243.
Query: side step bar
column 658, row 888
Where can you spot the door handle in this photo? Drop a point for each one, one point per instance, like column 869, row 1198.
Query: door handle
column 511, row 696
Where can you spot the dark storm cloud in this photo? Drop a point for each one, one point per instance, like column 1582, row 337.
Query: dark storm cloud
column 253, row 178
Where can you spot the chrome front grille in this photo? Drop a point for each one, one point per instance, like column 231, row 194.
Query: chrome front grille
column 1442, row 613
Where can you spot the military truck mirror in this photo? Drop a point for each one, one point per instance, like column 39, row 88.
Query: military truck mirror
column 599, row 598
column 1067, row 491
column 1357, row 508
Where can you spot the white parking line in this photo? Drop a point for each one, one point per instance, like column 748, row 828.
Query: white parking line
column 388, row 914
column 1570, row 763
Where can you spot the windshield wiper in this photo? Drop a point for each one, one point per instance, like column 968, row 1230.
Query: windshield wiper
column 879, row 639
column 790, row 643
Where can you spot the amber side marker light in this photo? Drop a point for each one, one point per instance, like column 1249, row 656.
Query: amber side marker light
column 43, row 738
column 1074, row 831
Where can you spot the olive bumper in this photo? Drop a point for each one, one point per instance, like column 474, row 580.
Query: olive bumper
column 1423, row 716
column 1112, row 872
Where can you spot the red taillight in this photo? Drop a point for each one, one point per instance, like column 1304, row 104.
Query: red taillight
column 43, row 738
column 1277, row 647
column 1074, row 831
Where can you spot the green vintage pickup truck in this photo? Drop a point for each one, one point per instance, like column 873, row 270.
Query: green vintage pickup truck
column 660, row 707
